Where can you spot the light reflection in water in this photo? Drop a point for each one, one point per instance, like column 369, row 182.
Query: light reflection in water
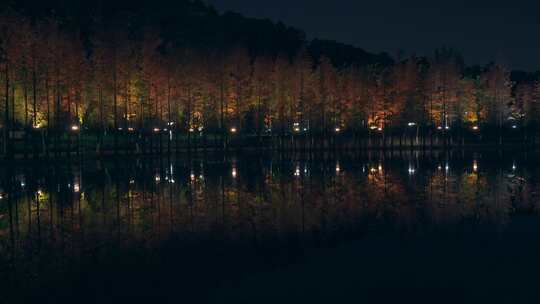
column 264, row 202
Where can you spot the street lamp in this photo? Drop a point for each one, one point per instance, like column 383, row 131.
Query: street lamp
column 233, row 130
column 75, row 128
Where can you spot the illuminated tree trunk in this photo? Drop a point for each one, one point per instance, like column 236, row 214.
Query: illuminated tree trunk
column 169, row 118
column 34, row 101
column 189, row 116
column 57, row 110
column 222, row 111
column 6, row 112
column 115, row 103
column 101, row 123
column 47, row 97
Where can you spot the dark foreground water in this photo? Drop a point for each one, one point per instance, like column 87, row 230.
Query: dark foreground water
column 378, row 228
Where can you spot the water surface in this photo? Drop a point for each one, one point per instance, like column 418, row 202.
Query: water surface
column 378, row 227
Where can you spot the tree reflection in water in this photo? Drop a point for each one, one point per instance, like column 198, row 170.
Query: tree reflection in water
column 213, row 220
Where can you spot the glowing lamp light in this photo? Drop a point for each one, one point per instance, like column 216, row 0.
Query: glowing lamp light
column 1, row 196
column 337, row 129
column 297, row 171
column 191, row 130
column 305, row 129
column 157, row 178
column 447, row 128
column 338, row 168
column 296, row 129
column 75, row 128
column 192, row 176
column 234, row 173
column 475, row 128
column 37, row 126
column 411, row 124
column 379, row 129
column 130, row 129
column 120, row 129
column 411, row 170
column 156, row 130
column 439, row 128
column 165, row 130
column 233, row 130
column 475, row 166
column 76, row 188
column 200, row 129
column 514, row 127
column 170, row 123
column 373, row 127
column 514, row 167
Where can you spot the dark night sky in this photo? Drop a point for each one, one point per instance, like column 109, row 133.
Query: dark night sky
column 506, row 31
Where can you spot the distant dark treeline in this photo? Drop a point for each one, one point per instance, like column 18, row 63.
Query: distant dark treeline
column 112, row 67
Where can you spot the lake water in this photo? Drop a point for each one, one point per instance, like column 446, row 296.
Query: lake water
column 382, row 227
